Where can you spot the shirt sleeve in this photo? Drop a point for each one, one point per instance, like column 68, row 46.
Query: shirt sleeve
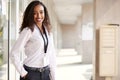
column 17, row 49
column 52, row 61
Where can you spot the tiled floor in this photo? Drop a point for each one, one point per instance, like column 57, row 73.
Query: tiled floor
column 74, row 72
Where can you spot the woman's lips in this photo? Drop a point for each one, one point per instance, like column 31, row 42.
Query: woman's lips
column 39, row 20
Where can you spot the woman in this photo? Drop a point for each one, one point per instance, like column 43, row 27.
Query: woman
column 37, row 42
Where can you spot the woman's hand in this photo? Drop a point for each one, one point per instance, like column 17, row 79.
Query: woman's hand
column 25, row 76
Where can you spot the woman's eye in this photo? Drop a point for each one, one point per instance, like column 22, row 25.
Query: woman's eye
column 41, row 12
column 34, row 13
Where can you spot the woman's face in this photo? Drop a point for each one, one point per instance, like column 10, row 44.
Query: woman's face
column 39, row 14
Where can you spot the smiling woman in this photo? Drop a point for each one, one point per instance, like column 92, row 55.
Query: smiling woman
column 36, row 41
column 33, row 45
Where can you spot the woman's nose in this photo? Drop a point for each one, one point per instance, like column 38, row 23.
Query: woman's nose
column 38, row 15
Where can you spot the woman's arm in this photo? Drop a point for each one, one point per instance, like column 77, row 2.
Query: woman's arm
column 17, row 49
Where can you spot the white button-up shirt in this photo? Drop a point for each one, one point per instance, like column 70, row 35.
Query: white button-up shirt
column 33, row 45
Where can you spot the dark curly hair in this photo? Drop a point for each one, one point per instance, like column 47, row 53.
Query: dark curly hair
column 28, row 17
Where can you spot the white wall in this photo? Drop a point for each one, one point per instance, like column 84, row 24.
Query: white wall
column 69, row 36
column 87, row 38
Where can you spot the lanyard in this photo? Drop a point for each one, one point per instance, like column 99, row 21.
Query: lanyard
column 45, row 43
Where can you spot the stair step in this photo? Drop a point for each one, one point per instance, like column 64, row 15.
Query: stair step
column 69, row 59
column 67, row 52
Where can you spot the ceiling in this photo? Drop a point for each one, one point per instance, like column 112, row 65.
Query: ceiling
column 68, row 11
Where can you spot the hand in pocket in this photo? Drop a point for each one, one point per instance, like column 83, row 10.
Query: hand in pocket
column 25, row 77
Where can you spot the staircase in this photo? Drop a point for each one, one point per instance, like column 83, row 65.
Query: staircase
column 68, row 56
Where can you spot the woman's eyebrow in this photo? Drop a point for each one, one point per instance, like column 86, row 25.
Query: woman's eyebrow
column 39, row 10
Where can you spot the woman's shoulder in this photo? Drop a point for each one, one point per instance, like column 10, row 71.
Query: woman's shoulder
column 26, row 30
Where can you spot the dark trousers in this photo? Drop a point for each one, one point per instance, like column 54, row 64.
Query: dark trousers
column 37, row 75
